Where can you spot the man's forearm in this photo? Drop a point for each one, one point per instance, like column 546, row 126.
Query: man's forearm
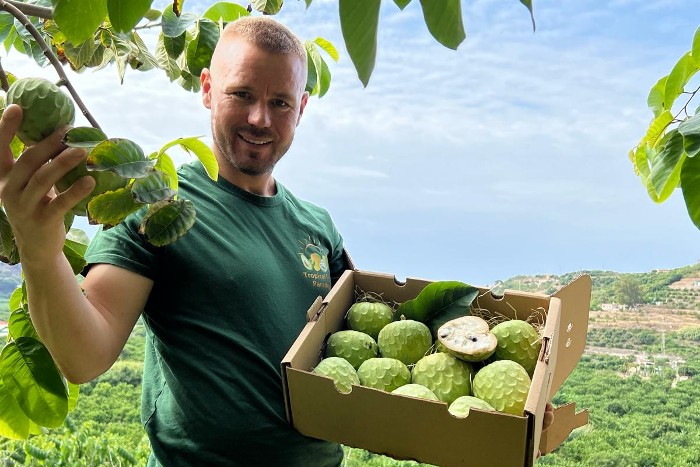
column 74, row 330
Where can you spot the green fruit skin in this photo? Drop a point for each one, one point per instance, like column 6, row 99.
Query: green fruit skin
column 460, row 406
column 415, row 390
column 45, row 108
column 519, row 341
column 340, row 371
column 353, row 346
column 504, row 384
column 445, row 375
column 369, row 317
column 104, row 181
column 405, row 340
column 383, row 373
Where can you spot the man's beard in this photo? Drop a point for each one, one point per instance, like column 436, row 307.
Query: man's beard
column 225, row 147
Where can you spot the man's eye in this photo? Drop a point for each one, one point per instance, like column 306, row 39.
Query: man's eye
column 241, row 94
column 279, row 103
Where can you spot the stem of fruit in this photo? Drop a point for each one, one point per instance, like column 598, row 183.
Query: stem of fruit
column 64, row 81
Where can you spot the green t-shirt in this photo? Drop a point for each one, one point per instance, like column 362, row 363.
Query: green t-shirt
column 229, row 299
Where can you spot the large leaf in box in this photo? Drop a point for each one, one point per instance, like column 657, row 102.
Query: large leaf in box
column 155, row 187
column 84, row 137
column 14, row 424
column 31, row 376
column 166, row 221
column 438, row 303
column 20, row 324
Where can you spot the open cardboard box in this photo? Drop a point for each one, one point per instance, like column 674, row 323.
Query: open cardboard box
column 422, row 430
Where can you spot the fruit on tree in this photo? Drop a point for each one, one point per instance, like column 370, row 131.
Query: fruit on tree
column 460, row 406
column 504, row 384
column 467, row 338
column 406, row 340
column 519, row 341
column 383, row 373
column 340, row 371
column 353, row 346
column 415, row 390
column 369, row 317
column 45, row 108
column 445, row 375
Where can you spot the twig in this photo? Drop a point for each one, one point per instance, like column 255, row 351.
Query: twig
column 3, row 79
column 31, row 10
column 64, row 81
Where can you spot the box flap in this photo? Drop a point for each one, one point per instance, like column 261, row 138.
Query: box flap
column 573, row 328
column 565, row 420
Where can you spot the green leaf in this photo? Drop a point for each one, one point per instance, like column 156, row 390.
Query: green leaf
column 684, row 69
column 402, row 3
column 17, row 299
column 666, row 165
column 690, row 186
column 152, row 15
column 225, row 11
column 84, row 137
column 153, row 188
column 166, row 221
column 165, row 60
column 173, row 25
column 81, row 55
column 328, row 47
column 73, row 393
column 655, row 100
column 8, row 248
column 121, row 156
column 444, row 21
column 359, row 20
column 33, row 380
column 126, row 14
column 79, row 19
column 311, row 75
column 690, row 129
column 112, row 207
column 74, row 253
column 695, row 51
column 268, row 7
column 201, row 48
column 321, row 73
column 657, row 128
column 80, row 237
column 528, row 5
column 203, row 152
column 174, row 46
column 20, row 324
column 7, row 21
column 438, row 303
column 14, row 424
column 166, row 165
column 143, row 59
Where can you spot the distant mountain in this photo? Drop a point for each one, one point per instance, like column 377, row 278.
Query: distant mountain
column 674, row 286
column 10, row 278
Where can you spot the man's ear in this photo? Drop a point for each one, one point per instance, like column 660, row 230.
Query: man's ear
column 205, row 80
column 304, row 100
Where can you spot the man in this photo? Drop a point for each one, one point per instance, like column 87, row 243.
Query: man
column 221, row 305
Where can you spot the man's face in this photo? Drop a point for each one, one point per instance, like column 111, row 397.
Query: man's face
column 256, row 100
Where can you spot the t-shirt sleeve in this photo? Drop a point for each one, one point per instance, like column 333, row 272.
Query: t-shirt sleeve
column 123, row 246
column 337, row 261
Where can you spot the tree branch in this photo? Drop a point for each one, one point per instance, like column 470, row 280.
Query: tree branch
column 30, row 10
column 3, row 79
column 64, row 81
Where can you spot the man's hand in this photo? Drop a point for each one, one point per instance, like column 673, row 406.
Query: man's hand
column 33, row 209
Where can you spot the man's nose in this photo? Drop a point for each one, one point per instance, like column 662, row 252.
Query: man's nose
column 259, row 115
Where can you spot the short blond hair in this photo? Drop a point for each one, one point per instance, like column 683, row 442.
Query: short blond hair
column 267, row 34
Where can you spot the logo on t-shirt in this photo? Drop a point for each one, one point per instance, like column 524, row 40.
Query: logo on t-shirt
column 314, row 257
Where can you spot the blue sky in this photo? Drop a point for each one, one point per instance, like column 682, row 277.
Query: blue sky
column 507, row 156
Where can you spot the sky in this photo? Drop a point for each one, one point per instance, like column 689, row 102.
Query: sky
column 507, row 156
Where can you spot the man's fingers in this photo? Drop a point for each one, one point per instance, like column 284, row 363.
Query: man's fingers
column 41, row 182
column 9, row 124
column 67, row 199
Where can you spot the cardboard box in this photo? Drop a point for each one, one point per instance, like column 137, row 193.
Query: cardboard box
column 422, row 430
